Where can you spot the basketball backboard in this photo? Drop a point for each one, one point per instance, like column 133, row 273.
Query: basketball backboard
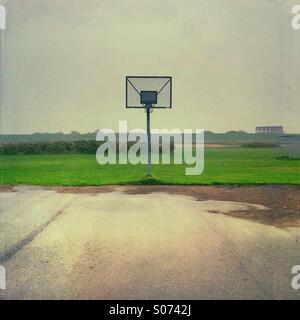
column 154, row 91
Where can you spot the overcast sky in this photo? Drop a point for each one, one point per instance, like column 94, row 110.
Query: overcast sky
column 235, row 64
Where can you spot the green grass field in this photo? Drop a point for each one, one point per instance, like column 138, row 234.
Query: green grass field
column 239, row 166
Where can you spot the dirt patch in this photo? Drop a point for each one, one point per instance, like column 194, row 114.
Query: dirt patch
column 283, row 201
column 6, row 189
column 84, row 189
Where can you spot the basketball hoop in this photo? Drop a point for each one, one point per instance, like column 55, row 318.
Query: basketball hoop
column 149, row 93
column 151, row 109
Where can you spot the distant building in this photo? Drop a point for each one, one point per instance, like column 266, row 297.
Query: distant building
column 271, row 129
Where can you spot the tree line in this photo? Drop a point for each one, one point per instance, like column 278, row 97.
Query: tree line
column 58, row 147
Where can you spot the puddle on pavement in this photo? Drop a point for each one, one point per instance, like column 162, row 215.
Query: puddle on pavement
column 278, row 206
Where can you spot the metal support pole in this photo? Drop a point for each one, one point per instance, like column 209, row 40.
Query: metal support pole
column 148, row 139
column 1, row 79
